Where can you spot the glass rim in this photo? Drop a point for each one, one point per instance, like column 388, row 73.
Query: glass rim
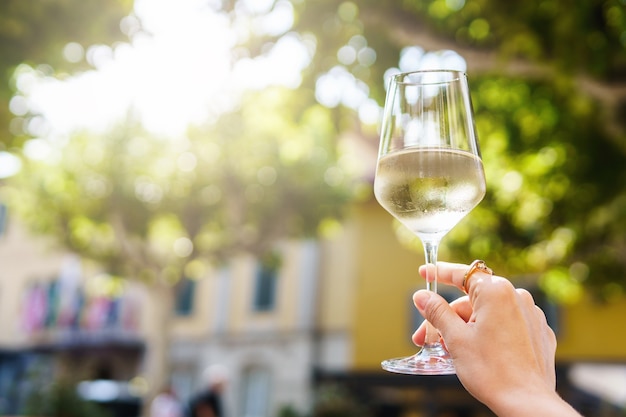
column 458, row 75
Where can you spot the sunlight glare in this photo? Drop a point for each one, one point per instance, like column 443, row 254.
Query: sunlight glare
column 9, row 164
column 281, row 66
column 176, row 73
column 278, row 21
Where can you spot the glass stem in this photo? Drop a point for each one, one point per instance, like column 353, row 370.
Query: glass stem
column 430, row 250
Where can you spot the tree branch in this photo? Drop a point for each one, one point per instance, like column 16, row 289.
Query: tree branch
column 608, row 95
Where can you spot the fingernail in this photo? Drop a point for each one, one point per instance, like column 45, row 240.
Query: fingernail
column 421, row 299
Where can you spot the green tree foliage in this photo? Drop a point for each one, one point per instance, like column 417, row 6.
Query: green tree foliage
column 145, row 207
column 585, row 36
column 556, row 182
column 37, row 32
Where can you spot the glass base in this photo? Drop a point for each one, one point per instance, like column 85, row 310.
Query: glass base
column 431, row 360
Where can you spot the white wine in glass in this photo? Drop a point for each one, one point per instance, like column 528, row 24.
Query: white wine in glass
column 429, row 176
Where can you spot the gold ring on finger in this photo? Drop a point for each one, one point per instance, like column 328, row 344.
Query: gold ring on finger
column 475, row 266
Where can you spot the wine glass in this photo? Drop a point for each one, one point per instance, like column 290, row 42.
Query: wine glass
column 429, row 176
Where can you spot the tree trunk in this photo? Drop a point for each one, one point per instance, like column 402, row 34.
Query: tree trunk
column 158, row 320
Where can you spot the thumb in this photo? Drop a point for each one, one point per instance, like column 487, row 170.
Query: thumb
column 438, row 312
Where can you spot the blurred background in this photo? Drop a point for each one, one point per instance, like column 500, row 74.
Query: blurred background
column 189, row 183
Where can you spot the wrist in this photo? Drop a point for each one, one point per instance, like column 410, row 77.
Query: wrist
column 527, row 404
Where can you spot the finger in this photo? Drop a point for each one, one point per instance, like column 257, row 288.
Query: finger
column 497, row 302
column 526, row 296
column 447, row 273
column 461, row 307
column 500, row 291
column 440, row 314
column 542, row 316
column 420, row 335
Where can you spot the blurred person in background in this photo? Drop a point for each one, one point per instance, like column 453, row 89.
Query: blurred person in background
column 208, row 402
column 166, row 404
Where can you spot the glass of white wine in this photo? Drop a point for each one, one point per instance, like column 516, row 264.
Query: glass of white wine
column 429, row 176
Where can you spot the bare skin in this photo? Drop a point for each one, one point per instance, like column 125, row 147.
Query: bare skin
column 502, row 346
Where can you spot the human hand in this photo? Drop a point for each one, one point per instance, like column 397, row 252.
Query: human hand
column 501, row 344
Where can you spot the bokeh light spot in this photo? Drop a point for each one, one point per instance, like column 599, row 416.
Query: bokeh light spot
column 348, row 11
column 479, row 29
column 183, row 247
column 187, row 161
column 73, row 52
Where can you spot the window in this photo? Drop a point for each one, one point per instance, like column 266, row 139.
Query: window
column 185, row 291
column 255, row 392
column 265, row 288
column 3, row 219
